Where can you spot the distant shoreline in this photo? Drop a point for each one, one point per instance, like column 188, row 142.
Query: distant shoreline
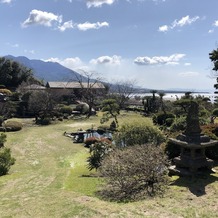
column 172, row 96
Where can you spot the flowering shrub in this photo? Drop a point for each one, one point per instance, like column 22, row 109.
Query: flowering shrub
column 98, row 151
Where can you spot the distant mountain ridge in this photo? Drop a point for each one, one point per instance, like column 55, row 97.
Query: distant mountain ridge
column 47, row 71
column 53, row 71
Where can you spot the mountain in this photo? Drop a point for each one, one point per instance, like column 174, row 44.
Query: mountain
column 47, row 71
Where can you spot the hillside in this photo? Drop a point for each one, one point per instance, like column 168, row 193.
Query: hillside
column 47, row 71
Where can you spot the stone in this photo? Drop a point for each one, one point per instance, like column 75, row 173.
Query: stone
column 192, row 158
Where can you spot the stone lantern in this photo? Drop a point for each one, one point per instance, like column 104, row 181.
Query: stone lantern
column 192, row 142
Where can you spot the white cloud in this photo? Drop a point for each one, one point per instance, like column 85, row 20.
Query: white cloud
column 44, row 18
column 87, row 26
column 114, row 60
column 215, row 23
column 163, row 28
column 30, row 51
column 159, row 60
column 156, row 1
column 98, row 3
column 70, row 63
column 41, row 18
column 187, row 64
column 6, row 1
column 179, row 23
column 13, row 45
column 184, row 21
column 189, row 74
column 66, row 25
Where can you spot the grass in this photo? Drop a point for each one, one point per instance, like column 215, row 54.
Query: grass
column 50, row 179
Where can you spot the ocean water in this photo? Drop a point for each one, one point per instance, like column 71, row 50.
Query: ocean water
column 174, row 96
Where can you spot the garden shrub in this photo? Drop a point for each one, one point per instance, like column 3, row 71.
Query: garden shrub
column 1, row 120
column 12, row 125
column 138, row 133
column 66, row 110
column 132, row 173
column 82, row 108
column 103, row 129
column 179, row 124
column 98, row 150
column 204, row 113
column 6, row 92
column 2, row 86
column 161, row 119
column 44, row 121
column 169, row 121
column 211, row 130
column 2, row 139
column 215, row 112
column 6, row 160
column 113, row 126
column 15, row 96
column 172, row 150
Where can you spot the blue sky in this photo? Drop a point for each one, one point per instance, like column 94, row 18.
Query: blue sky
column 159, row 44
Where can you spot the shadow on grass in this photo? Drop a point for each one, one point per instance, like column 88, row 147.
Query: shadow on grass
column 196, row 184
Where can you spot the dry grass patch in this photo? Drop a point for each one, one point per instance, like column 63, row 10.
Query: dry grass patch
column 46, row 181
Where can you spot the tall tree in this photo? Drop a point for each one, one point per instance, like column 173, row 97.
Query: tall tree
column 214, row 58
column 12, row 74
column 40, row 104
column 123, row 90
column 91, row 88
column 110, row 109
column 161, row 95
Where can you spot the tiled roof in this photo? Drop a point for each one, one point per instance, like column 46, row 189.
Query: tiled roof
column 35, row 87
column 74, row 85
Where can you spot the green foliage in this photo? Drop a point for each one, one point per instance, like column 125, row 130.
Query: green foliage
column 163, row 119
column 113, row 126
column 214, row 58
column 13, row 73
column 6, row 92
column 1, row 120
column 138, row 133
column 40, row 103
column 211, row 130
column 134, row 172
column 2, row 86
column 184, row 104
column 15, row 96
column 43, row 121
column 110, row 105
column 103, row 129
column 179, row 124
column 98, row 150
column 6, row 160
column 2, row 139
column 172, row 150
column 111, row 110
column 215, row 112
column 66, row 109
column 82, row 108
column 12, row 125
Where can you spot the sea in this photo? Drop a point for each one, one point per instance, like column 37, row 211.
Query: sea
column 174, row 96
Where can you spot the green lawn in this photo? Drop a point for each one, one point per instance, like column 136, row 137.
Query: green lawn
column 50, row 179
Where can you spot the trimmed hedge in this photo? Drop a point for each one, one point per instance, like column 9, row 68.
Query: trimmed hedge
column 12, row 125
column 164, row 119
